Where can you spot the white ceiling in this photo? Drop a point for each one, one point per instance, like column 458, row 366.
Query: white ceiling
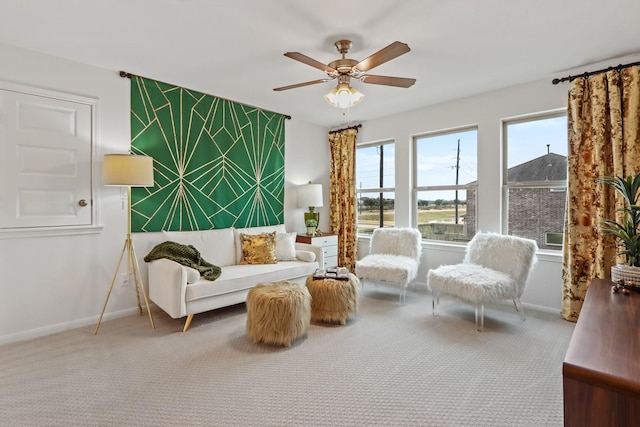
column 234, row 49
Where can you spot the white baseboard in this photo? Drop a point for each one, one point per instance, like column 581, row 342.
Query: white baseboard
column 422, row 287
column 65, row 326
column 541, row 308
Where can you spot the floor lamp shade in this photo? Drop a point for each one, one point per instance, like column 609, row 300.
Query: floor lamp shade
column 127, row 170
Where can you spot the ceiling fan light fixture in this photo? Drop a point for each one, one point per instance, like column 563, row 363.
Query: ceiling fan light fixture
column 343, row 96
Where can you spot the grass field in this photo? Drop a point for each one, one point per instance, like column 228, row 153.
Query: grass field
column 370, row 219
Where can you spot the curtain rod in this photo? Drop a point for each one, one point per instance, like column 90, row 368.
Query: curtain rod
column 347, row 128
column 124, row 74
column 591, row 73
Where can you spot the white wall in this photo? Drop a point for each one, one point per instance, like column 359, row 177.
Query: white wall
column 306, row 159
column 50, row 284
column 486, row 111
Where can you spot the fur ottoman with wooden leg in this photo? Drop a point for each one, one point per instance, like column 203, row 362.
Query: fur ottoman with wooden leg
column 278, row 312
column 333, row 300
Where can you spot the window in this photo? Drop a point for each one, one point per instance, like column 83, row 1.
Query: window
column 375, row 186
column 535, row 178
column 445, row 183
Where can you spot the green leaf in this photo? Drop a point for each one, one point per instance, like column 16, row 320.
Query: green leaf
column 626, row 232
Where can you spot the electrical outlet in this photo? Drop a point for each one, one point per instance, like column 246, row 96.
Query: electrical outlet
column 124, row 280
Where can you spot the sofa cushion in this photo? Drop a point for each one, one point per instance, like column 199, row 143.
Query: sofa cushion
column 285, row 246
column 258, row 248
column 215, row 246
column 280, row 228
column 236, row 278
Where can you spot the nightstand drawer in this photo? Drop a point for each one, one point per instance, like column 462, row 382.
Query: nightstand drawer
column 329, row 245
column 330, row 261
column 330, row 251
column 325, row 240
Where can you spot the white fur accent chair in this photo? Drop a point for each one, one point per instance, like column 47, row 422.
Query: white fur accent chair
column 495, row 268
column 394, row 257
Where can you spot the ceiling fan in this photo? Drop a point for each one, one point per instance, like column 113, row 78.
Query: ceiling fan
column 344, row 69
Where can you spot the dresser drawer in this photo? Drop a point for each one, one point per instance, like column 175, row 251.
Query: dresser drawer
column 331, row 261
column 329, row 245
column 325, row 240
column 330, row 251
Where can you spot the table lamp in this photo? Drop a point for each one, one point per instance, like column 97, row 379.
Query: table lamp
column 310, row 196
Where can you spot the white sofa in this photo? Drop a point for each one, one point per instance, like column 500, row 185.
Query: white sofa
column 180, row 291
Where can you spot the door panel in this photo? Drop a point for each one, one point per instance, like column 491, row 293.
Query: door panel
column 45, row 148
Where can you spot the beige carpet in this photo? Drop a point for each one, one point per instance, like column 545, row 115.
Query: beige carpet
column 391, row 365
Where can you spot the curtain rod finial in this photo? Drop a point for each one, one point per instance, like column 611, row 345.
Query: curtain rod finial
column 124, row 74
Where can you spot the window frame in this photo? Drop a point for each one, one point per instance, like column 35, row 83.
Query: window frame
column 506, row 186
column 416, row 189
column 379, row 191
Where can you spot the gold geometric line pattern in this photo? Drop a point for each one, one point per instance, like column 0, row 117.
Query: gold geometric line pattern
column 217, row 163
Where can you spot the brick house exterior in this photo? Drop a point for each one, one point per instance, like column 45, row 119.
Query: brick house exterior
column 533, row 212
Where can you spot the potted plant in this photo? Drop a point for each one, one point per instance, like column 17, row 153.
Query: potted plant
column 311, row 226
column 627, row 230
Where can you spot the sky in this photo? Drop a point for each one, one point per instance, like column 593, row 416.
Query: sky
column 528, row 140
column 436, row 154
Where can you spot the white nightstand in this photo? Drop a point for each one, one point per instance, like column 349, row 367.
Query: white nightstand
column 329, row 244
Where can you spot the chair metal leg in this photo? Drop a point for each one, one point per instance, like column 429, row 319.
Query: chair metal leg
column 480, row 317
column 518, row 305
column 403, row 295
column 435, row 302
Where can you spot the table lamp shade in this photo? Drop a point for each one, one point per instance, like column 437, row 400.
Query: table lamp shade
column 127, row 170
column 310, row 195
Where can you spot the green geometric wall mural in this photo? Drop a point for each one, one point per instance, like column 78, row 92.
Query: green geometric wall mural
column 217, row 163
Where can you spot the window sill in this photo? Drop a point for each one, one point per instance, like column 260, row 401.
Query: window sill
column 547, row 255
column 543, row 255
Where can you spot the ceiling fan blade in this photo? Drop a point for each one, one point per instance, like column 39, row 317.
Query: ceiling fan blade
column 388, row 81
column 309, row 61
column 385, row 54
column 313, row 82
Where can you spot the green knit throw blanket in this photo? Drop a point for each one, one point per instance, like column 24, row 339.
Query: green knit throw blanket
column 185, row 255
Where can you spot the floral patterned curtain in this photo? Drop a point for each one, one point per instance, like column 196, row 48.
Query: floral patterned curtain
column 342, row 195
column 603, row 121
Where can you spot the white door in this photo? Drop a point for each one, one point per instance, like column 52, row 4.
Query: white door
column 45, row 159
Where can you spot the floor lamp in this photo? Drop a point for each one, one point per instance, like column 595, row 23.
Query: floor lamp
column 128, row 170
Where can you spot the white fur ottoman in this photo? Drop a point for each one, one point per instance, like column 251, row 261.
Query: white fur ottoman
column 278, row 312
column 333, row 300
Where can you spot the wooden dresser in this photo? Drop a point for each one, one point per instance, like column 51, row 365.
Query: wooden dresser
column 601, row 370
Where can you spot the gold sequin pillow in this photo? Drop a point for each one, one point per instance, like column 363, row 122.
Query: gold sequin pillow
column 258, row 248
